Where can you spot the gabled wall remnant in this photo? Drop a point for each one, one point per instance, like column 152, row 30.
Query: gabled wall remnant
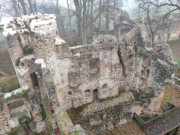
column 62, row 77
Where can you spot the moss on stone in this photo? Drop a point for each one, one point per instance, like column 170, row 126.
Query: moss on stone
column 17, row 62
column 23, row 94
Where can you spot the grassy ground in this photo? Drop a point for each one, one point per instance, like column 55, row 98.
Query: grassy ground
column 9, row 83
column 172, row 93
column 130, row 128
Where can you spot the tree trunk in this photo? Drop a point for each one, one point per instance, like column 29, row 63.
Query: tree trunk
column 92, row 18
column 70, row 27
column 84, row 31
column 107, row 15
column 78, row 15
column 100, row 3
column 35, row 6
column 60, row 19
column 150, row 25
column 23, row 7
column 30, row 6
column 15, row 8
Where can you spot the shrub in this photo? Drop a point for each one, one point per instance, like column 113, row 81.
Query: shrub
column 24, row 117
column 25, row 32
column 9, row 83
column 17, row 61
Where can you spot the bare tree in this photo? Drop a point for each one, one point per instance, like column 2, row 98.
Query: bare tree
column 69, row 16
column 156, row 20
column 78, row 11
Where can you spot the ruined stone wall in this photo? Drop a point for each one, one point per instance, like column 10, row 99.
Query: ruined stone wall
column 172, row 32
column 101, row 117
column 68, row 77
column 105, row 68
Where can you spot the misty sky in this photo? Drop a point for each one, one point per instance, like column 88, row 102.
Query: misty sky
column 128, row 5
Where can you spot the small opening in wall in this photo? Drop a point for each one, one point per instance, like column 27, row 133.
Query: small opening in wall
column 87, row 91
column 34, row 80
column 142, row 72
column 148, row 71
column 43, row 111
column 95, row 94
column 104, row 86
column 70, row 93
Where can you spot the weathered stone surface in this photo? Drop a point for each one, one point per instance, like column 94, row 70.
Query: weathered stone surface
column 97, row 118
column 63, row 77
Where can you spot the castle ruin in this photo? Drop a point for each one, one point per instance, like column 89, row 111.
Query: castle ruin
column 112, row 78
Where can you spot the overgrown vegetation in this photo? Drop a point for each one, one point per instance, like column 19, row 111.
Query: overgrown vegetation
column 23, row 94
column 9, row 83
column 74, row 113
column 17, row 62
column 167, row 99
column 142, row 54
column 15, row 131
column 24, row 118
column 108, row 98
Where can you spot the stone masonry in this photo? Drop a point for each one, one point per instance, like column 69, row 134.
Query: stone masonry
column 62, row 77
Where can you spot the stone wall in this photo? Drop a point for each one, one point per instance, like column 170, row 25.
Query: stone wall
column 98, row 118
column 62, row 77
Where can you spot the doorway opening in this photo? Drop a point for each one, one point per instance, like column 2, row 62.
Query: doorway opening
column 34, row 80
column 95, row 94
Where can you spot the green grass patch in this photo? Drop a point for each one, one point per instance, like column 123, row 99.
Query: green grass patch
column 23, row 94
column 142, row 54
column 178, row 61
column 24, row 118
column 174, row 42
column 9, row 83
column 167, row 99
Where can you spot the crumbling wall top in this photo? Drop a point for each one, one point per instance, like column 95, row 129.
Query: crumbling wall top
column 36, row 22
